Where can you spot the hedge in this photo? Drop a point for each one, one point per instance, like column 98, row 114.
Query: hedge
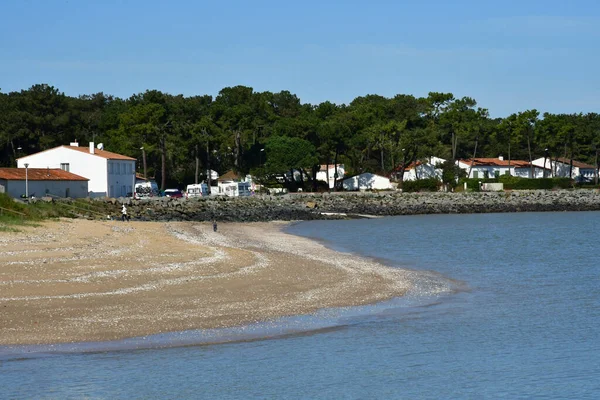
column 421, row 185
column 518, row 183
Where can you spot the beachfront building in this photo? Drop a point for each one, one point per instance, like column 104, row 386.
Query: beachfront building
column 327, row 173
column 495, row 167
column 233, row 184
column 110, row 174
column 421, row 169
column 39, row 182
column 561, row 167
column 367, row 181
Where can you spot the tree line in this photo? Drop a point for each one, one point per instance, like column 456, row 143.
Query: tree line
column 176, row 139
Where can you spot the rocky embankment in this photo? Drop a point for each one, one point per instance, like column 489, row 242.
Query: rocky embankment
column 310, row 206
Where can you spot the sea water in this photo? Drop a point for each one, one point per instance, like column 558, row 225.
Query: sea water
column 522, row 321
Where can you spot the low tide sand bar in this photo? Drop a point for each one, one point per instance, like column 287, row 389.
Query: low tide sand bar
column 88, row 281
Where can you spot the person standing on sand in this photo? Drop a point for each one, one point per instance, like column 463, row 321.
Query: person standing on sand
column 124, row 213
column 214, row 225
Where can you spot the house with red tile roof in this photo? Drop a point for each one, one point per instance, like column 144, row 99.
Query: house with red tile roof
column 39, row 182
column 561, row 167
column 110, row 174
column 327, row 173
column 421, row 169
column 494, row 167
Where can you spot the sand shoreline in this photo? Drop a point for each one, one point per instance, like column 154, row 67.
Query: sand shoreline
column 90, row 281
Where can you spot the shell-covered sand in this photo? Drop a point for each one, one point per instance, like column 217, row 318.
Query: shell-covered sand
column 79, row 280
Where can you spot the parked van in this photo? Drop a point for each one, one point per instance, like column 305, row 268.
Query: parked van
column 197, row 190
column 144, row 189
column 235, row 189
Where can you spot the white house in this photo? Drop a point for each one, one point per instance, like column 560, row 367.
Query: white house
column 424, row 169
column 327, row 173
column 561, row 167
column 494, row 167
column 39, row 182
column 110, row 174
column 366, row 181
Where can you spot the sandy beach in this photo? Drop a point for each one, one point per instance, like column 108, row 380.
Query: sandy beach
column 79, row 280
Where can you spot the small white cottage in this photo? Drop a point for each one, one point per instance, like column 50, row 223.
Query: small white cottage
column 561, row 167
column 367, row 181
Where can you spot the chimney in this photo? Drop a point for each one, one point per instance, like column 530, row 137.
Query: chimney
column 92, row 148
column 501, row 158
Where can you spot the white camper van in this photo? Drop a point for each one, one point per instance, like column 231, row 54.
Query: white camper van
column 197, row 190
column 235, row 189
column 144, row 189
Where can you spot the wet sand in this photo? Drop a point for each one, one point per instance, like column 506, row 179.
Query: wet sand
column 81, row 281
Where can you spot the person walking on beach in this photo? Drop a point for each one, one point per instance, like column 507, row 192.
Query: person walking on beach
column 124, row 213
column 214, row 225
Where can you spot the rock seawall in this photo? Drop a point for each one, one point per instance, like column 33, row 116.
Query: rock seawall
column 309, row 206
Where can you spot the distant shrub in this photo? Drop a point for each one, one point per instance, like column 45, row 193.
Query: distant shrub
column 473, row 183
column 421, row 185
column 517, row 183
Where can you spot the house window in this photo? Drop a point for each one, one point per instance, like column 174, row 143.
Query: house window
column 65, row 167
column 112, row 191
column 475, row 174
column 110, row 169
column 122, row 169
column 129, row 169
column 496, row 174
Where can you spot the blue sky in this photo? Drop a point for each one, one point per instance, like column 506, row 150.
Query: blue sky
column 508, row 55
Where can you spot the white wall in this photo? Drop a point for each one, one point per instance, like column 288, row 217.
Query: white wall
column 480, row 170
column 425, row 170
column 121, row 177
column 563, row 169
column 82, row 164
column 93, row 167
column 367, row 181
column 233, row 189
column 322, row 175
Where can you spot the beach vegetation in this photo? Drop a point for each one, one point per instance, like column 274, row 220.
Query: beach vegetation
column 422, row 185
column 15, row 213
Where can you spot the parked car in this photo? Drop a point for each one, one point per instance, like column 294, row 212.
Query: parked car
column 175, row 193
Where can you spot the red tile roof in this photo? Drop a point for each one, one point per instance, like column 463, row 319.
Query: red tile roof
column 39, row 174
column 408, row 167
column 577, row 164
column 496, row 162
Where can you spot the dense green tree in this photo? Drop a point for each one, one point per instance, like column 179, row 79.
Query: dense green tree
column 180, row 136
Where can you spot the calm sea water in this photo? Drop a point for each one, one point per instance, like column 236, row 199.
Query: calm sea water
column 523, row 323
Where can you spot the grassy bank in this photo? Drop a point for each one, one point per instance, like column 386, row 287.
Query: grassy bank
column 14, row 214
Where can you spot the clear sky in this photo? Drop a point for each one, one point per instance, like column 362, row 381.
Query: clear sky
column 508, row 55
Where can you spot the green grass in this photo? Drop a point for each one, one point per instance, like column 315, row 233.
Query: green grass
column 14, row 213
